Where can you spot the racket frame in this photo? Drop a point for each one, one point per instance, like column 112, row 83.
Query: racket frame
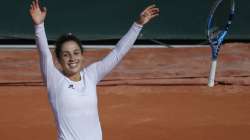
column 216, row 41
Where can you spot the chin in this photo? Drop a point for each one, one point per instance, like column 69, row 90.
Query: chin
column 73, row 72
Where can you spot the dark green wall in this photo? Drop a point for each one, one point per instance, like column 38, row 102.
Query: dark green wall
column 110, row 19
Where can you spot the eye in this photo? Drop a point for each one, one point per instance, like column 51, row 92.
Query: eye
column 77, row 53
column 65, row 55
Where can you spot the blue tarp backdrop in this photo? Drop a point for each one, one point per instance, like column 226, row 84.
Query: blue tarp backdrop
column 110, row 19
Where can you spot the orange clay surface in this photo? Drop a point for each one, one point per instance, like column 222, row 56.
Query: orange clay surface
column 153, row 94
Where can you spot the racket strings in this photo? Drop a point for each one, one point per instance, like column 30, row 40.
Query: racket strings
column 219, row 20
column 215, row 51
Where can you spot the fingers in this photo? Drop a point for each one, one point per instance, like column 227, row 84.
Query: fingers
column 31, row 7
column 37, row 4
column 149, row 7
column 34, row 5
column 150, row 11
column 154, row 10
column 155, row 15
column 44, row 9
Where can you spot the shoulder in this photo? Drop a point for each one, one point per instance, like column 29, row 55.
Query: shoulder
column 90, row 72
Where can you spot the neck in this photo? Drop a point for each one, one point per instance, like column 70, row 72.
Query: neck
column 75, row 77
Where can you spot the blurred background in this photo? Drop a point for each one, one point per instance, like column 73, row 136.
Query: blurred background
column 156, row 92
column 180, row 22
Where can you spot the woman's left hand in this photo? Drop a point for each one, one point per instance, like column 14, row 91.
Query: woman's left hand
column 149, row 13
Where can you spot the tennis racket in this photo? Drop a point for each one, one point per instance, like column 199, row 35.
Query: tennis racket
column 219, row 20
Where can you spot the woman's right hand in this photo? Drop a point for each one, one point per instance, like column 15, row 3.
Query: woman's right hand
column 37, row 14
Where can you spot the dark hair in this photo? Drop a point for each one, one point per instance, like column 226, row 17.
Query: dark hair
column 65, row 38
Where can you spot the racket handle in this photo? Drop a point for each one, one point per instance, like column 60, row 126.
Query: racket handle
column 212, row 73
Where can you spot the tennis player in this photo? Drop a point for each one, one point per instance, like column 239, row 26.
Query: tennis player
column 72, row 91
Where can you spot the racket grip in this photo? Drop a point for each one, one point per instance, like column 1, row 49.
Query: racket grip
column 212, row 73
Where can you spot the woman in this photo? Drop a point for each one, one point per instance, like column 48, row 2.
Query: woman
column 72, row 92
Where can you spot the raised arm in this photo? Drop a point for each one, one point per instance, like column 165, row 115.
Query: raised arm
column 104, row 66
column 38, row 16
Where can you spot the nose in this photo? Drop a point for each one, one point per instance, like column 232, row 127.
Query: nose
column 71, row 58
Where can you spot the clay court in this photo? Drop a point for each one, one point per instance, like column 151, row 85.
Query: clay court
column 155, row 93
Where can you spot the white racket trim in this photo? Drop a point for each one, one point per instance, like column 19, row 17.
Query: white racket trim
column 212, row 73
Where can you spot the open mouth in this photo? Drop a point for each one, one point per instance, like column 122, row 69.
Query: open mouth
column 73, row 65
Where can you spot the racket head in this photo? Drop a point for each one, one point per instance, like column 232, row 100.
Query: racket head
column 219, row 20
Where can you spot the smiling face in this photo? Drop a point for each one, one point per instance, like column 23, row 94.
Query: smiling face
column 71, row 58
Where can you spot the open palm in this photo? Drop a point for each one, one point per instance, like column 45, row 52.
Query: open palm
column 37, row 14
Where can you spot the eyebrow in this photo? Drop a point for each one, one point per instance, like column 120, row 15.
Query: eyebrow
column 73, row 51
